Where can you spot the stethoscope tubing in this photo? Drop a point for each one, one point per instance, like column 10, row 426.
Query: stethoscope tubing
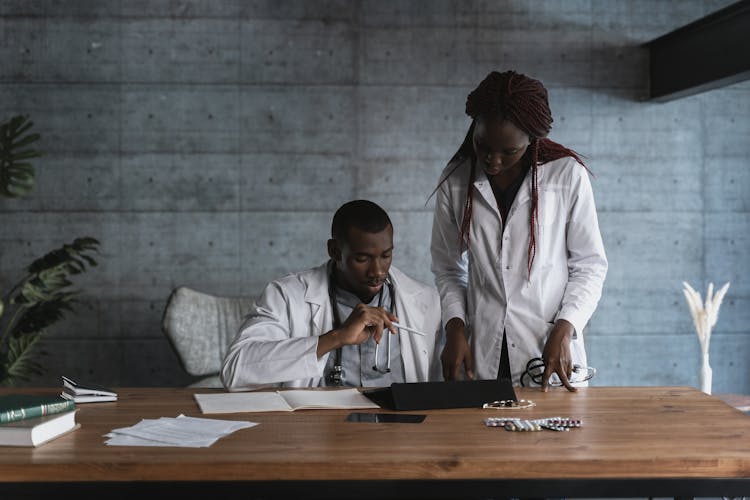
column 337, row 373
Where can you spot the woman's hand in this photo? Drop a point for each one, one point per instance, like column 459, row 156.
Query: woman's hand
column 556, row 355
column 456, row 352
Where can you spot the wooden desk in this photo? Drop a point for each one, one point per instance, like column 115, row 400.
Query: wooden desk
column 635, row 441
column 739, row 401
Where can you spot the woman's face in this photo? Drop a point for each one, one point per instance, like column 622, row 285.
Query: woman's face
column 499, row 145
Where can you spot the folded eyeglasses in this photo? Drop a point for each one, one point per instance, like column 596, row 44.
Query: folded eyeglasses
column 535, row 370
column 509, row 404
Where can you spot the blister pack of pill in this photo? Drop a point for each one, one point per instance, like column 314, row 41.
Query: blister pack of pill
column 559, row 424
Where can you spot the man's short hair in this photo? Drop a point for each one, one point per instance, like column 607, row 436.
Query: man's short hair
column 362, row 214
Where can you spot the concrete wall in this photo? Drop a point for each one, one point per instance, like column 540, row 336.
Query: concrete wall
column 207, row 143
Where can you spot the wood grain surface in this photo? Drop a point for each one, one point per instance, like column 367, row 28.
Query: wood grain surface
column 627, row 432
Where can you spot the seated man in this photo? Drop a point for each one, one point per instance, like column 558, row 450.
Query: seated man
column 333, row 324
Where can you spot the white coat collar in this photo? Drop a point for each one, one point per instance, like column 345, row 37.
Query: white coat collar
column 316, row 294
column 483, row 187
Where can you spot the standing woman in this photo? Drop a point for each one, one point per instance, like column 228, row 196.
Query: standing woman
column 516, row 250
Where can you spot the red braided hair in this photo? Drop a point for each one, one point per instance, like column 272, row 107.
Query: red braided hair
column 523, row 101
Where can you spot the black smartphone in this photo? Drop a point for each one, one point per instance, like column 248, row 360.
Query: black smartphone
column 385, row 418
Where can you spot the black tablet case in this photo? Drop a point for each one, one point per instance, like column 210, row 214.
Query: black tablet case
column 436, row 395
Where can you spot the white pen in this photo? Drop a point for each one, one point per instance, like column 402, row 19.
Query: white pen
column 411, row 330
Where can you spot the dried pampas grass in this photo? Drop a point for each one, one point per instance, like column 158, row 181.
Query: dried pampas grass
column 704, row 318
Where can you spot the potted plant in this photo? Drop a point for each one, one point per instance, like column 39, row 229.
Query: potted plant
column 44, row 293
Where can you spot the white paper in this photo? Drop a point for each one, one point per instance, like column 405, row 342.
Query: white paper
column 238, row 402
column 181, row 431
column 343, row 398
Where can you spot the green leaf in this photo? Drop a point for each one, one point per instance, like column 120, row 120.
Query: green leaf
column 44, row 285
column 44, row 314
column 23, row 155
column 21, row 167
column 90, row 260
column 19, row 124
column 16, row 179
column 15, row 192
column 25, row 140
column 65, row 255
column 20, row 364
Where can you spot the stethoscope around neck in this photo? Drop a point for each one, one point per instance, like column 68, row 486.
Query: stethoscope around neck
column 336, row 375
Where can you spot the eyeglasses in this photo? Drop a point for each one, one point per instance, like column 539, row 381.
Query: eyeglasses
column 509, row 404
column 535, row 371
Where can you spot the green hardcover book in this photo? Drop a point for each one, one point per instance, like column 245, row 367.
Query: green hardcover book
column 14, row 407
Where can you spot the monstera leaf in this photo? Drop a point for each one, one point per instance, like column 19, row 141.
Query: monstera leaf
column 36, row 302
column 16, row 173
column 20, row 360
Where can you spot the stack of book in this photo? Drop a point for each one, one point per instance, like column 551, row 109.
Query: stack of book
column 86, row 393
column 32, row 419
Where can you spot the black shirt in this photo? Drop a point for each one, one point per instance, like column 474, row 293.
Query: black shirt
column 505, row 197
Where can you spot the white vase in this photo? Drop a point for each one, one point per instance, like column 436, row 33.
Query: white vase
column 705, row 375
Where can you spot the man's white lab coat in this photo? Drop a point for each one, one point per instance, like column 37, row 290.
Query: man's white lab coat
column 277, row 343
column 489, row 286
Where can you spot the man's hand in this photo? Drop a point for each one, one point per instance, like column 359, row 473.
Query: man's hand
column 456, row 352
column 556, row 355
column 363, row 322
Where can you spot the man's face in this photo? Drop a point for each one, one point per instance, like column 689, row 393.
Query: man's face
column 362, row 261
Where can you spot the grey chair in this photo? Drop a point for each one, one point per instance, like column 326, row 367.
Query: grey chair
column 200, row 327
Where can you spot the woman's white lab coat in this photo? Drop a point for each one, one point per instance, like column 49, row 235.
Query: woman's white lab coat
column 489, row 286
column 278, row 340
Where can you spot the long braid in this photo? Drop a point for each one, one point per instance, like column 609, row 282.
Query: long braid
column 531, row 252
column 466, row 221
column 523, row 101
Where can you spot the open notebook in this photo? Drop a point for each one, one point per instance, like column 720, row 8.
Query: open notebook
column 289, row 400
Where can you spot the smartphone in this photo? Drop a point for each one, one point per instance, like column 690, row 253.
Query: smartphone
column 386, row 418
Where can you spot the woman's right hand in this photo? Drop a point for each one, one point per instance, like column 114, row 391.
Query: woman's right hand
column 456, row 352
